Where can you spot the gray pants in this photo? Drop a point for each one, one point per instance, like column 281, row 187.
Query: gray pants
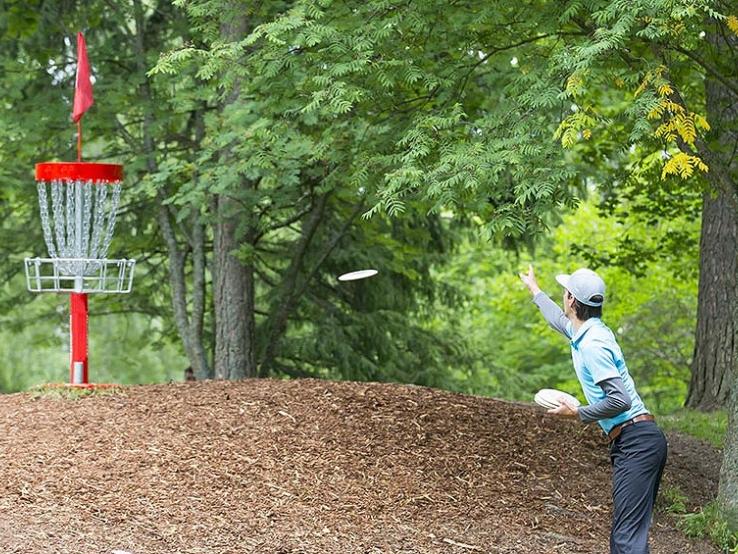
column 638, row 457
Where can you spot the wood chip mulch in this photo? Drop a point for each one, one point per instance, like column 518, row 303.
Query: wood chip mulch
column 302, row 466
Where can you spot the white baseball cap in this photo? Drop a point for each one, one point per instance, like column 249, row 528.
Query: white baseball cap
column 584, row 284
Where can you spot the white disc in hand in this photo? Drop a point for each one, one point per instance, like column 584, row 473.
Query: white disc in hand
column 542, row 402
column 551, row 398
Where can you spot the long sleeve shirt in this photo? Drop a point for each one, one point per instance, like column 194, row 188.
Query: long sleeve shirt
column 614, row 399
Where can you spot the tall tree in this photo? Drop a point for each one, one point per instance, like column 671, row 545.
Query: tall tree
column 718, row 282
column 287, row 195
column 148, row 35
column 233, row 282
column 714, row 361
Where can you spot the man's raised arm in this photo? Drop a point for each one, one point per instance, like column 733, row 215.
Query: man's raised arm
column 550, row 310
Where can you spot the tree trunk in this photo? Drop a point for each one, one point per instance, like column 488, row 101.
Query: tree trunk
column 199, row 359
column 233, row 290
column 722, row 113
column 715, row 349
column 233, row 281
column 189, row 328
column 714, row 357
column 728, row 488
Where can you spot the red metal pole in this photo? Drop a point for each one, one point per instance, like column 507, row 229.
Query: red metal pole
column 79, row 140
column 78, row 330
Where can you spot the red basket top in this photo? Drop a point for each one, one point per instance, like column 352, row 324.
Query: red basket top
column 79, row 171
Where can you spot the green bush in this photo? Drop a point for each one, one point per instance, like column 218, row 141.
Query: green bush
column 708, row 523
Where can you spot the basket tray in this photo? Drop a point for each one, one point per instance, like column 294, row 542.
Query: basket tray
column 80, row 275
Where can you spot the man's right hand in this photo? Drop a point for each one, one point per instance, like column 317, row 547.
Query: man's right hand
column 529, row 280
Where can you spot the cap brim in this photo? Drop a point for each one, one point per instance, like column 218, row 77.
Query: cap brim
column 563, row 280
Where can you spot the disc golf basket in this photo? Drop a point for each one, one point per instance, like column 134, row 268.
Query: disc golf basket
column 78, row 203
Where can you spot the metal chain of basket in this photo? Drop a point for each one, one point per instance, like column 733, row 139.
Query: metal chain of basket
column 70, row 229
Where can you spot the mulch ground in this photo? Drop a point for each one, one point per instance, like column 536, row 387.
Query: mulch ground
column 308, row 466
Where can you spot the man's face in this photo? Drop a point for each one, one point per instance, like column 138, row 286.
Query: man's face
column 568, row 303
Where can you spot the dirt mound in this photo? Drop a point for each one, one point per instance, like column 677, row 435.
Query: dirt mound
column 305, row 466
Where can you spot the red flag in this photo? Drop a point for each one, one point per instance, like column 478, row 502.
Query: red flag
column 83, row 87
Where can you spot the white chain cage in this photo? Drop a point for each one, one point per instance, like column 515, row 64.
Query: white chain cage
column 78, row 225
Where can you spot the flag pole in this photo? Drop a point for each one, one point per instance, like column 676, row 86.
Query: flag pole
column 78, row 314
column 79, row 139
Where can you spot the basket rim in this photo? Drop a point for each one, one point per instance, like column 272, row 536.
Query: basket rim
column 75, row 171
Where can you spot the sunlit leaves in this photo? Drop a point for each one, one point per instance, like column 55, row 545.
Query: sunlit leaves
column 574, row 126
column 683, row 165
column 732, row 23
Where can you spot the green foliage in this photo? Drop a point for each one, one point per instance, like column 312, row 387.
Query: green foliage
column 382, row 109
column 125, row 348
column 514, row 352
column 290, row 139
column 708, row 523
column 671, row 500
column 625, row 65
column 374, row 329
column 709, row 427
column 403, row 114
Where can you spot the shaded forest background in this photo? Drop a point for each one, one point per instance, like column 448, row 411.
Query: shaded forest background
column 234, row 170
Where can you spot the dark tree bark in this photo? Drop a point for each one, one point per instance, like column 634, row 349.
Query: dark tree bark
column 728, row 488
column 199, row 357
column 722, row 113
column 233, row 290
column 714, row 360
column 715, row 348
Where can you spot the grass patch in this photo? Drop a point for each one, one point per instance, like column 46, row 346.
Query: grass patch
column 709, row 524
column 709, row 427
column 671, row 500
column 64, row 392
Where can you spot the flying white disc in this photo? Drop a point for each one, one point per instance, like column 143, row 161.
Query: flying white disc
column 356, row 275
column 551, row 398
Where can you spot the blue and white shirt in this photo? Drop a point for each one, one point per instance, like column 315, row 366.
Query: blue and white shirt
column 597, row 357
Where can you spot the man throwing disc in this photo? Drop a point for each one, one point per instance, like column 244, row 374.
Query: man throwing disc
column 637, row 446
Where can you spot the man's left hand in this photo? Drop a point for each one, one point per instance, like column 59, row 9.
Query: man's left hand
column 565, row 410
